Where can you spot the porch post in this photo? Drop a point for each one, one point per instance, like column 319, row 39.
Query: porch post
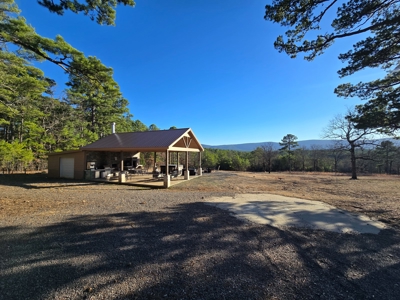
column 155, row 162
column 122, row 162
column 200, row 169
column 177, row 163
column 121, row 177
column 167, row 177
column 86, row 173
column 187, row 177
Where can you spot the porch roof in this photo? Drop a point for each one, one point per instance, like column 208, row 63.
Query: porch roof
column 148, row 141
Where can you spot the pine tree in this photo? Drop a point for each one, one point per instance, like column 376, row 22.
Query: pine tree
column 376, row 24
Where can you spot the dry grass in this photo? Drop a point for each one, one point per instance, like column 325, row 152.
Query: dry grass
column 67, row 239
column 377, row 196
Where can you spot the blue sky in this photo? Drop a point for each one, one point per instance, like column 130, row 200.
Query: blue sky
column 207, row 65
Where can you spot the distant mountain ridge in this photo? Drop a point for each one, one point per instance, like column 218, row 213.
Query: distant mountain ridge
column 276, row 146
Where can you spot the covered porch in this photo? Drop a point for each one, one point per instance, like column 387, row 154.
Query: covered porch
column 145, row 180
column 141, row 158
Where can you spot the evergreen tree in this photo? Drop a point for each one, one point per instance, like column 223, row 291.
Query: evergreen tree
column 376, row 24
column 97, row 105
column 387, row 152
column 101, row 11
column 14, row 30
column 29, row 116
column 21, row 85
column 289, row 143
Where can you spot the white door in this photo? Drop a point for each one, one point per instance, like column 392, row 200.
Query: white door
column 67, row 167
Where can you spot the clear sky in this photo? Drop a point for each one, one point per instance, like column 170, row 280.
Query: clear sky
column 207, row 65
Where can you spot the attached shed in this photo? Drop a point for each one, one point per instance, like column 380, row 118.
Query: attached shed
column 67, row 164
column 118, row 146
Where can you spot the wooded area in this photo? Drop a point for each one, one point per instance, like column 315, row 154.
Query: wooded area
column 373, row 27
column 384, row 158
column 32, row 121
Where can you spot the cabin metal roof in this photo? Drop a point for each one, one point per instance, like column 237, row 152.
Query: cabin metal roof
column 148, row 141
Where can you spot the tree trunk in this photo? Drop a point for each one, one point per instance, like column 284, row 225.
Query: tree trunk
column 93, row 118
column 387, row 161
column 353, row 163
column 20, row 133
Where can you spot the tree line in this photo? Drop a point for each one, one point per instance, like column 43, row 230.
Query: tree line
column 355, row 150
column 384, row 158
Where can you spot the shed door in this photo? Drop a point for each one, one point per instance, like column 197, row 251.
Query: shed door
column 67, row 167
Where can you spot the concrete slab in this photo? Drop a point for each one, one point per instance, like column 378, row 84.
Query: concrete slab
column 280, row 211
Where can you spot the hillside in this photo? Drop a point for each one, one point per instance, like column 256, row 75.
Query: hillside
column 253, row 146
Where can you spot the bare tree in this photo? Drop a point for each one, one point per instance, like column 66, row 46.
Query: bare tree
column 336, row 150
column 342, row 128
column 268, row 155
column 316, row 155
column 302, row 154
column 397, row 160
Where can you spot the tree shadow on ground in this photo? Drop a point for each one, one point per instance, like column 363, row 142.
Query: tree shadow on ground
column 298, row 213
column 193, row 251
column 31, row 181
column 41, row 181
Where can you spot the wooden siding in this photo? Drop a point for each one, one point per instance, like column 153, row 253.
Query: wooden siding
column 79, row 164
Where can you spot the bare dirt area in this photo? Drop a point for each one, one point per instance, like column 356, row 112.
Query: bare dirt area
column 377, row 196
column 62, row 239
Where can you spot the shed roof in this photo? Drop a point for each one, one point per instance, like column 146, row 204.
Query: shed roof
column 64, row 152
column 148, row 141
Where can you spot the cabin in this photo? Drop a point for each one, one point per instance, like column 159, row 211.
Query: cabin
column 118, row 156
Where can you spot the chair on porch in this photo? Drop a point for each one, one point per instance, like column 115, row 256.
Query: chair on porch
column 175, row 173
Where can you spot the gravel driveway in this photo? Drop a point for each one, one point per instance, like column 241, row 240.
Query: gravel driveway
column 112, row 242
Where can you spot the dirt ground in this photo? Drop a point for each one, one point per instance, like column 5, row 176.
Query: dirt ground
column 377, row 196
column 65, row 239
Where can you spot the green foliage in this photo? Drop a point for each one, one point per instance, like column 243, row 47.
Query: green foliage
column 377, row 26
column 261, row 158
column 209, row 158
column 101, row 11
column 289, row 143
column 138, row 126
column 97, row 105
column 14, row 30
column 257, row 159
column 153, row 127
column 387, row 154
column 14, row 155
column 21, row 85
column 31, row 120
column 336, row 158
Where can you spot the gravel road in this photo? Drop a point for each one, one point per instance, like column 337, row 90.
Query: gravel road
column 113, row 242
